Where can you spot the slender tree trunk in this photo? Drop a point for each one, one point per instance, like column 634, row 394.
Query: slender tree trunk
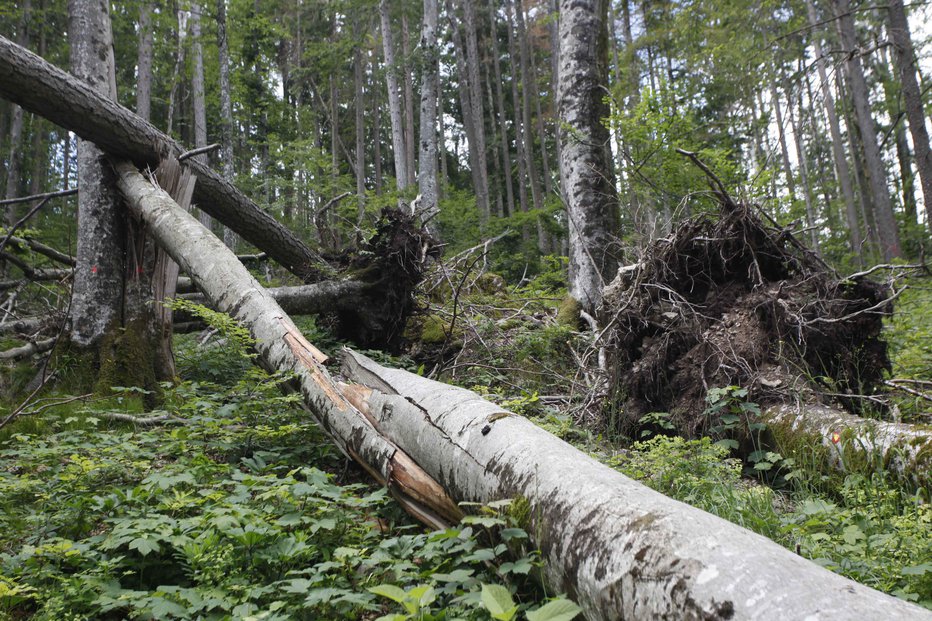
column 500, row 110
column 475, row 101
column 144, row 62
column 469, row 125
column 520, row 129
column 906, row 63
column 359, row 71
column 394, row 99
column 803, row 171
column 784, row 152
column 377, row 133
column 526, row 86
column 226, row 110
column 843, row 172
column 410, row 141
column 585, row 167
column 891, row 94
column 430, row 82
column 883, row 207
column 15, row 159
column 198, row 99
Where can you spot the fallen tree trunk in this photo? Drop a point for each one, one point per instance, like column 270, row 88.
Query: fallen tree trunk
column 46, row 90
column 48, row 251
column 321, row 297
column 620, row 549
column 852, row 443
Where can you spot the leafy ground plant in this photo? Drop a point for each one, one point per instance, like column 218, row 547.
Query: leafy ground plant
column 236, row 508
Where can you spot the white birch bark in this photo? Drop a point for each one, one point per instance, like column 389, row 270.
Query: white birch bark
column 619, row 549
column 430, row 81
column 585, row 164
column 198, row 99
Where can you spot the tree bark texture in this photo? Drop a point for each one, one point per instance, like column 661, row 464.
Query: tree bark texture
column 44, row 89
column 585, row 161
column 144, row 62
column 430, row 85
column 198, row 100
column 97, row 294
column 905, row 57
column 618, row 548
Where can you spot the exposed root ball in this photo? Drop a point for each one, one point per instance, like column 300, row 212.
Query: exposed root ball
column 730, row 301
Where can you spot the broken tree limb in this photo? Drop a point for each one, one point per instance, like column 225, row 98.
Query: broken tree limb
column 228, row 285
column 24, row 351
column 621, row 550
column 851, row 442
column 46, row 90
column 40, row 248
column 26, row 325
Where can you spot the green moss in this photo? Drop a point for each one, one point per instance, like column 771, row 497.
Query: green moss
column 432, row 330
column 568, row 312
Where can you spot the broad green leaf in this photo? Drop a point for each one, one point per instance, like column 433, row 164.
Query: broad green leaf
column 557, row 610
column 390, row 591
column 143, row 546
column 497, row 600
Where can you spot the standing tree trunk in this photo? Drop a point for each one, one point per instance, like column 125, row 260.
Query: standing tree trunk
column 15, row 160
column 500, row 111
column 110, row 324
column 226, row 109
column 838, row 145
column 784, row 151
column 430, row 79
column 144, row 63
column 358, row 77
column 475, row 102
column 394, row 98
column 585, row 164
column 410, row 142
column 906, row 64
column 520, row 129
column 803, row 170
column 197, row 95
column 883, row 207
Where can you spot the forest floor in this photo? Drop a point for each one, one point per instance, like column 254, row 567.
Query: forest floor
column 238, row 508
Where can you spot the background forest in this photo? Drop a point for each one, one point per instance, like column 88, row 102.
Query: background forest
column 204, row 492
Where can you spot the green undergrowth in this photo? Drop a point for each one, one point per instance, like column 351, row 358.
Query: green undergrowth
column 909, row 333
column 866, row 524
column 237, row 508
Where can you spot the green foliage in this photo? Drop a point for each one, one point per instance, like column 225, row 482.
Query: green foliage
column 909, row 333
column 873, row 531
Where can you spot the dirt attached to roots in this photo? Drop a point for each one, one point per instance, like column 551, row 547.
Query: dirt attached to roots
column 728, row 300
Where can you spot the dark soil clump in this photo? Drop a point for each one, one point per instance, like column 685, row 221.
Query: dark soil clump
column 731, row 301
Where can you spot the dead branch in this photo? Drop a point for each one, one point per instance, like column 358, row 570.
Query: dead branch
column 39, row 197
column 48, row 251
column 29, row 349
column 198, row 151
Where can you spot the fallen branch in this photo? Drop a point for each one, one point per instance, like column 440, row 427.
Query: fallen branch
column 142, row 421
column 198, row 151
column 39, row 247
column 29, row 349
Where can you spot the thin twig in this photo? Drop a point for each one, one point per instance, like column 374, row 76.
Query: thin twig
column 912, row 391
column 37, row 197
column 198, row 151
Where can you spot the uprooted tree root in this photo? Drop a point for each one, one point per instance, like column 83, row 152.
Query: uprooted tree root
column 727, row 301
column 392, row 264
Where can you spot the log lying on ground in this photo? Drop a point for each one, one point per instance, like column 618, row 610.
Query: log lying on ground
column 46, row 90
column 26, row 325
column 852, row 443
column 321, row 297
column 618, row 548
column 24, row 351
